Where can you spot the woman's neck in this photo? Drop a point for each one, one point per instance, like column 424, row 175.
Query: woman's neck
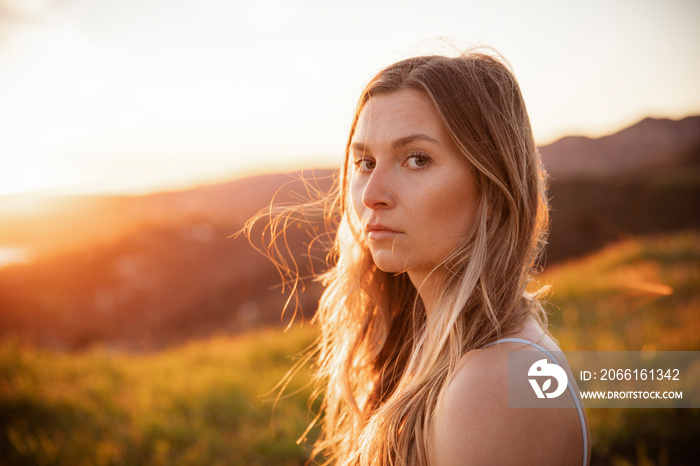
column 427, row 285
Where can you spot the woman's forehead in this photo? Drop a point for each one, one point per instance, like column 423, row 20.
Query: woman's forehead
column 395, row 115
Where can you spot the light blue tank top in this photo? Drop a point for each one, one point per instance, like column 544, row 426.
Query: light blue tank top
column 579, row 409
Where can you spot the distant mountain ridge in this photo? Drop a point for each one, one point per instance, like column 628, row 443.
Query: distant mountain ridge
column 647, row 145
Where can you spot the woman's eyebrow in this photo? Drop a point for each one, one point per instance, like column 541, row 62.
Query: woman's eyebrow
column 358, row 146
column 413, row 137
column 361, row 147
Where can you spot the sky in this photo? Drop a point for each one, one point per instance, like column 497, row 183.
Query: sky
column 136, row 96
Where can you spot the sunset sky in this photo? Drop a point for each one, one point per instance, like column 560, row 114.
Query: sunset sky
column 142, row 95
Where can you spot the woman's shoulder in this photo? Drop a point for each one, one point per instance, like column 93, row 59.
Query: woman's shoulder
column 474, row 425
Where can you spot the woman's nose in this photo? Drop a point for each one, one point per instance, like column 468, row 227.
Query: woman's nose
column 378, row 192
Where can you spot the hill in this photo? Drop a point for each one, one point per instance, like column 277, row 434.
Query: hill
column 644, row 179
column 643, row 148
column 150, row 271
column 61, row 224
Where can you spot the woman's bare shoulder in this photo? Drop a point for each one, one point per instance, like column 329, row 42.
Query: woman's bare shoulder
column 474, row 425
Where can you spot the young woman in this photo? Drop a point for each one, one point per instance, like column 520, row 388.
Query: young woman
column 442, row 214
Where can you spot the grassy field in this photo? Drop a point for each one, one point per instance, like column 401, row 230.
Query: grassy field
column 203, row 403
column 640, row 294
column 210, row 402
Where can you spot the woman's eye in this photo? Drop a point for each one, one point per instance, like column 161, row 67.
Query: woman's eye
column 364, row 164
column 417, row 160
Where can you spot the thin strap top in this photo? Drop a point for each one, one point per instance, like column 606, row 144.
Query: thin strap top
column 579, row 409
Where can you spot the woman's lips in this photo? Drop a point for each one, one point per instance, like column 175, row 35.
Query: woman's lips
column 377, row 232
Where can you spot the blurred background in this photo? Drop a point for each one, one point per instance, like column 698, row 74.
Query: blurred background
column 138, row 136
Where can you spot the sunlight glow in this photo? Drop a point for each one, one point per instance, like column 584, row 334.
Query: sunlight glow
column 10, row 255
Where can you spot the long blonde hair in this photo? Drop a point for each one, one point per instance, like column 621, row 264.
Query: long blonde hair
column 382, row 361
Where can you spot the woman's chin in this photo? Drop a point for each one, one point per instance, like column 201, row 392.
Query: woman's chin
column 387, row 263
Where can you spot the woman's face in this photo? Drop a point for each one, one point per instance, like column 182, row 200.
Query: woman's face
column 412, row 190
